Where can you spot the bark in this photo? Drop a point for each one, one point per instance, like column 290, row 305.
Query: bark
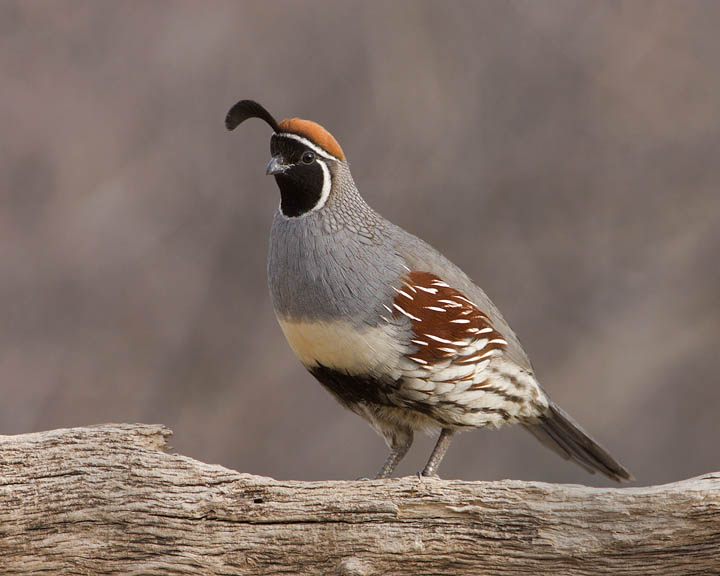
column 111, row 500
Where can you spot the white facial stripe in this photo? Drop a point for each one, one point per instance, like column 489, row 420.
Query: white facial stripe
column 309, row 144
column 327, row 184
column 324, row 193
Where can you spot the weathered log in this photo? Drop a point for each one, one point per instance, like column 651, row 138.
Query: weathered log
column 110, row 500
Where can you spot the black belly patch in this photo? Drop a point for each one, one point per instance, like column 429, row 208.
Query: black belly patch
column 352, row 389
column 372, row 391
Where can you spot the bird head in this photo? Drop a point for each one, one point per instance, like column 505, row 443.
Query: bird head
column 305, row 158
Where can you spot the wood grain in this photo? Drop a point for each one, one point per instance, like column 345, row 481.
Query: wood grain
column 111, row 500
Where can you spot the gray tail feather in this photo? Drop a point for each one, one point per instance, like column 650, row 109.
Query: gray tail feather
column 559, row 432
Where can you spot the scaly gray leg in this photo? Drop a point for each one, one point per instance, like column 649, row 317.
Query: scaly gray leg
column 443, row 443
column 398, row 450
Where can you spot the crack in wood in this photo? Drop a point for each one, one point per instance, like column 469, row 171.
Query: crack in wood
column 112, row 500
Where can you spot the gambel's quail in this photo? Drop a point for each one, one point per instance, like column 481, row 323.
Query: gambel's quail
column 393, row 329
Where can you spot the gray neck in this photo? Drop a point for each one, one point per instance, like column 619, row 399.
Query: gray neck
column 333, row 263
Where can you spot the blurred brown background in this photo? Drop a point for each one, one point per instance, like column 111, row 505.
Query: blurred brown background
column 565, row 154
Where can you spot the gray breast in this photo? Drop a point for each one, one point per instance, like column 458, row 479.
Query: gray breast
column 319, row 270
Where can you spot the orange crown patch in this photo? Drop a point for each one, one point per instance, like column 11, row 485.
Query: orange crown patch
column 315, row 133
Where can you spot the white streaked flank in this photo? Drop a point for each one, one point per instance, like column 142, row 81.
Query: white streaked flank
column 465, row 300
column 402, row 311
column 450, row 303
column 438, row 339
column 410, row 286
column 402, row 292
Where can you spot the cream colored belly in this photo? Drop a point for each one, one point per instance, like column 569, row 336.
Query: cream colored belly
column 339, row 346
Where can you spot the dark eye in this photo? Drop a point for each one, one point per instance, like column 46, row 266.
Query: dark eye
column 308, row 158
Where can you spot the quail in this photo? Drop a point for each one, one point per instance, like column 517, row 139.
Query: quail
column 390, row 327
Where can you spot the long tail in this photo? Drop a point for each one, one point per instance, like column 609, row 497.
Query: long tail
column 559, row 432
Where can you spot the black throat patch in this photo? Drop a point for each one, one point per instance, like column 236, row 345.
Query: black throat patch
column 301, row 186
column 300, row 189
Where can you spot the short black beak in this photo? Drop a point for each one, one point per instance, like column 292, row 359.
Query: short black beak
column 275, row 166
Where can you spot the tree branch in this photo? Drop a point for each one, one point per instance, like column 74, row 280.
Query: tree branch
column 110, row 500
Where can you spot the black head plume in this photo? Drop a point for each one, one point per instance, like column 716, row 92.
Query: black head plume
column 248, row 109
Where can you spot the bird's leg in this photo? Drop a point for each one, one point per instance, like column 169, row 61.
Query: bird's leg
column 399, row 447
column 443, row 443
